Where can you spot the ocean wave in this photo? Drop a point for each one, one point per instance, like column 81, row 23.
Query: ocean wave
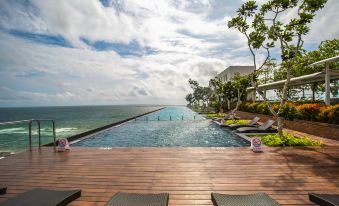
column 66, row 129
column 16, row 130
column 23, row 130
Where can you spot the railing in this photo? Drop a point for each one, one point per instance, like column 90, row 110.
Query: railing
column 30, row 121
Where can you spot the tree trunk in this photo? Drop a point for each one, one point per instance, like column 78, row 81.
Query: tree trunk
column 283, row 102
column 280, row 121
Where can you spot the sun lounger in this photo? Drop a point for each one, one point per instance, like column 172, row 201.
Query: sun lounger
column 252, row 123
column 324, row 199
column 3, row 190
column 220, row 123
column 265, row 128
column 258, row 199
column 133, row 199
column 43, row 197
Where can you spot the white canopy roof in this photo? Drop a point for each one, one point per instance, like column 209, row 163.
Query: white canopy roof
column 302, row 80
column 325, row 61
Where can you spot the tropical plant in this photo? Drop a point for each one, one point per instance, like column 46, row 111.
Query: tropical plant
column 229, row 92
column 330, row 114
column 200, row 95
column 326, row 49
column 309, row 111
column 240, row 84
column 264, row 29
column 190, row 99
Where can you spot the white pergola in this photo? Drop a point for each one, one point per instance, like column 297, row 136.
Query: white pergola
column 326, row 76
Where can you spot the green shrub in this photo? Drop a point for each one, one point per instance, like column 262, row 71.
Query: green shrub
column 273, row 140
column 263, row 108
column 244, row 106
column 296, row 110
column 309, row 111
column 330, row 114
column 216, row 105
column 289, row 112
column 215, row 115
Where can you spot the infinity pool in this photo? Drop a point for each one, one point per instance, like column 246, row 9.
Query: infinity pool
column 170, row 127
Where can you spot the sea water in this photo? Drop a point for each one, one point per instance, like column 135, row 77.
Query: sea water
column 70, row 120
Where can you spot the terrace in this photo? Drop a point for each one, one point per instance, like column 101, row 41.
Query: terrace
column 188, row 174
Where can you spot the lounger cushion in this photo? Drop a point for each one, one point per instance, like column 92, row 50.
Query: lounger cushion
column 132, row 199
column 258, row 199
column 324, row 199
column 43, row 197
column 3, row 190
column 236, row 126
column 256, row 130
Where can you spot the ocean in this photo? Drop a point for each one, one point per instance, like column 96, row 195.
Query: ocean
column 70, row 120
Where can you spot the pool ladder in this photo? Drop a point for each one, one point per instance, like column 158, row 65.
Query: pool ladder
column 30, row 121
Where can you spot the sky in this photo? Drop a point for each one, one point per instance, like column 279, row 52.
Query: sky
column 91, row 52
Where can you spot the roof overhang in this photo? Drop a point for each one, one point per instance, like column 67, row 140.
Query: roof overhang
column 296, row 81
column 332, row 59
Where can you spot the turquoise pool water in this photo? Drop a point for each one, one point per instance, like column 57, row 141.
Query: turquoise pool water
column 170, row 127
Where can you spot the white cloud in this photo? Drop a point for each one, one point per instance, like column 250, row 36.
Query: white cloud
column 191, row 40
column 71, row 75
column 325, row 24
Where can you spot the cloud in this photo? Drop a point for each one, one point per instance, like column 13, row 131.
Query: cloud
column 77, row 76
column 116, row 52
column 324, row 25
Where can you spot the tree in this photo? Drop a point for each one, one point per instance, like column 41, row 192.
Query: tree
column 200, row 94
column 326, row 49
column 190, row 99
column 267, row 27
column 216, row 94
column 240, row 84
column 229, row 92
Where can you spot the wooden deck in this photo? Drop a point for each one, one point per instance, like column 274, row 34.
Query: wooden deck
column 188, row 174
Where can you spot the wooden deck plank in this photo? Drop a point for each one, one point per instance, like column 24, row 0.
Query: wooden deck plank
column 188, row 174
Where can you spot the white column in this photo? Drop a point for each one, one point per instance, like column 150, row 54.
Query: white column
column 327, row 84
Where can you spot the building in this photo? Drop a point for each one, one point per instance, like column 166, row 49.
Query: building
column 230, row 71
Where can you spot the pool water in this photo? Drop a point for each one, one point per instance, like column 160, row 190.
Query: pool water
column 170, row 127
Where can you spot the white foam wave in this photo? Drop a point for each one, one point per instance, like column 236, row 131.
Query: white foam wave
column 16, row 130
column 66, row 129
column 23, row 130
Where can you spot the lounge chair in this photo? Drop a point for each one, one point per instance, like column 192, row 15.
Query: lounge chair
column 43, row 197
column 265, row 128
column 252, row 123
column 3, row 190
column 258, row 199
column 324, row 199
column 220, row 123
column 133, row 199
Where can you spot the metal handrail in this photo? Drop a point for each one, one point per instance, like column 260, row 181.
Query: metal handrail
column 30, row 121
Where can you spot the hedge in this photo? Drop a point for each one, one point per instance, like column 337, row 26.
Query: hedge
column 296, row 110
column 273, row 140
